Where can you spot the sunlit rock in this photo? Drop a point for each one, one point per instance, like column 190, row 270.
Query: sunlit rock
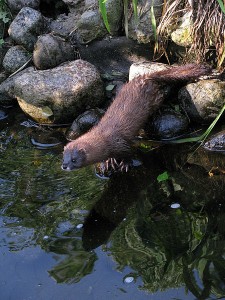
column 59, row 94
column 203, row 100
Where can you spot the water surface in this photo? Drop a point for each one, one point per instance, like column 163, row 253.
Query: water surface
column 72, row 235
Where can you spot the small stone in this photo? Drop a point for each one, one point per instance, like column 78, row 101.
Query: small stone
column 51, row 50
column 129, row 279
column 169, row 124
column 15, row 58
column 175, row 205
column 79, row 226
column 3, row 115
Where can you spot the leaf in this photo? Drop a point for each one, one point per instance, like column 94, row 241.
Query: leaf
column 221, row 58
column 117, row 73
column 163, row 176
column 177, row 108
column 102, row 8
column 46, row 111
column 110, row 87
column 4, row 17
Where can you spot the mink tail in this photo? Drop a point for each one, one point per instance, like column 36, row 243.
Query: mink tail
column 178, row 74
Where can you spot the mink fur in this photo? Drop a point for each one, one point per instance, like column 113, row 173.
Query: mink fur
column 136, row 101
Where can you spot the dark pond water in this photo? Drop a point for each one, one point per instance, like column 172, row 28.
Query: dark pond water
column 72, row 235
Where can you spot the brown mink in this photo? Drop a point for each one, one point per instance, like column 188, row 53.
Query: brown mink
column 112, row 137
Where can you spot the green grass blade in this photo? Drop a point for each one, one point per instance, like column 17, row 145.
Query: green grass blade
column 125, row 9
column 222, row 57
column 221, row 4
column 207, row 132
column 135, row 9
column 102, row 8
column 154, row 27
column 202, row 137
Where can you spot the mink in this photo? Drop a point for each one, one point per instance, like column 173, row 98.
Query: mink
column 112, row 137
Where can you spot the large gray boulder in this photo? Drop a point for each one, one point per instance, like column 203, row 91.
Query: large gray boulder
column 59, row 94
column 7, row 87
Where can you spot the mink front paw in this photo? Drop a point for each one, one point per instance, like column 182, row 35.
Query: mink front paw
column 110, row 166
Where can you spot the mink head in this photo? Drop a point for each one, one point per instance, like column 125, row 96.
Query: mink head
column 73, row 159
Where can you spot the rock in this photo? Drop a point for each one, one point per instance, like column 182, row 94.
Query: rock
column 182, row 35
column 15, row 58
column 216, row 142
column 140, row 29
column 59, row 94
column 137, row 69
column 63, row 25
column 84, row 122
column 3, row 115
column 203, row 100
column 51, row 50
column 16, row 5
column 114, row 9
column 7, row 88
column 26, row 27
column 169, row 124
column 3, row 77
column 4, row 47
column 73, row 5
column 90, row 26
column 2, row 54
column 90, row 4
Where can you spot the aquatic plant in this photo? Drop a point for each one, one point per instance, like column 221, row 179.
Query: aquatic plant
column 4, row 18
column 170, row 248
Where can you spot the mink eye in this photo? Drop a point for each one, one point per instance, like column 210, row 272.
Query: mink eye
column 74, row 160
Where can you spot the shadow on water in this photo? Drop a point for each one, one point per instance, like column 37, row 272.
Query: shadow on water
column 130, row 236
